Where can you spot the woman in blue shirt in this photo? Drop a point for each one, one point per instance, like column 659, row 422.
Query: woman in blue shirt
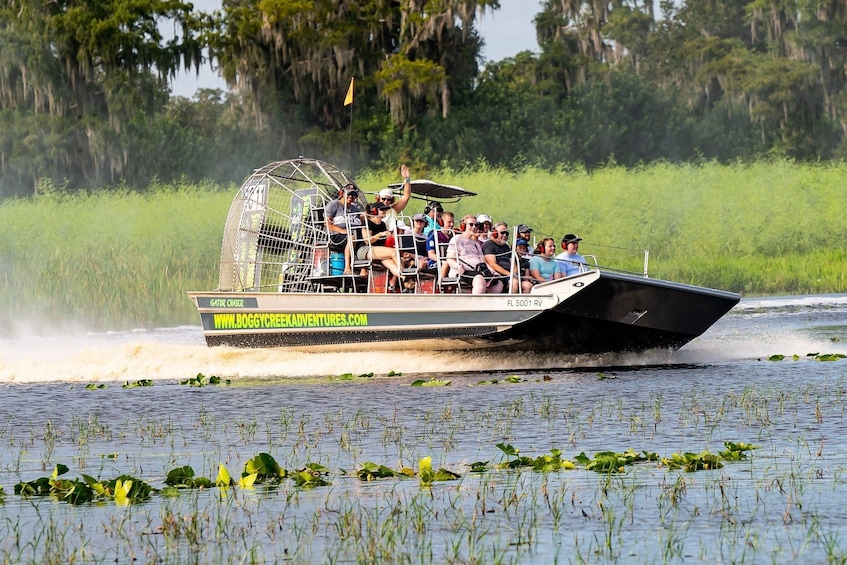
column 543, row 266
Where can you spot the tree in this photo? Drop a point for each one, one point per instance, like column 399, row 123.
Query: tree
column 412, row 55
column 92, row 66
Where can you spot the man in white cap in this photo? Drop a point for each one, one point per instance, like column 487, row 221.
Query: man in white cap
column 386, row 196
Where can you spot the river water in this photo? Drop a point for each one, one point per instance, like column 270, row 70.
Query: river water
column 780, row 504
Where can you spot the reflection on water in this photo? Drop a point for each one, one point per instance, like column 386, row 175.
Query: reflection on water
column 783, row 503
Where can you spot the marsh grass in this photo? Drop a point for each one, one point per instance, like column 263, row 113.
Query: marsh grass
column 123, row 259
column 110, row 260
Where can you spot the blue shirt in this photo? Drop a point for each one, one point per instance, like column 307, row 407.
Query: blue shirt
column 571, row 264
column 431, row 225
column 547, row 268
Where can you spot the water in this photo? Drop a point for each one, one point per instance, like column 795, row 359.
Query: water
column 781, row 504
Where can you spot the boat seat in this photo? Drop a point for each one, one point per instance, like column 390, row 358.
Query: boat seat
column 445, row 283
column 340, row 283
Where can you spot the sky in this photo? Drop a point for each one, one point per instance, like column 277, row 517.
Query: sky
column 506, row 32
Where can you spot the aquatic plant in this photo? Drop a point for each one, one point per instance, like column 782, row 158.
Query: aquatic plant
column 431, row 382
column 371, row 471
column 200, row 380
column 351, row 376
column 265, row 468
column 138, row 383
column 183, row 477
column 690, row 462
column 123, row 489
column 511, row 379
column 549, row 462
column 611, row 462
column 814, row 356
column 429, row 476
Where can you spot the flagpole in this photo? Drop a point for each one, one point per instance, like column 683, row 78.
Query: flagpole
column 348, row 101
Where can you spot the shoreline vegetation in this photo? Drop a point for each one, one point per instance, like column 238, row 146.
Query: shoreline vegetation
column 123, row 259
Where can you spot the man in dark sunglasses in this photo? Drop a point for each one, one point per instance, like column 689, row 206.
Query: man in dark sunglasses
column 342, row 216
column 498, row 256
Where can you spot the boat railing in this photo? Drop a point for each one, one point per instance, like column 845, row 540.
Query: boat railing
column 307, row 244
column 628, row 260
column 406, row 251
column 625, row 260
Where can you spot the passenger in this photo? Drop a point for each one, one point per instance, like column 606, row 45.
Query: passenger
column 525, row 233
column 572, row 263
column 466, row 260
column 336, row 215
column 386, row 196
column 498, row 257
column 521, row 246
column 377, row 234
column 485, row 223
column 443, row 236
column 543, row 267
column 440, row 237
column 419, row 257
column 433, row 212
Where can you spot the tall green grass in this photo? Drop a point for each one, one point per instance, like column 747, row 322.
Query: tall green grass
column 122, row 259
column 110, row 260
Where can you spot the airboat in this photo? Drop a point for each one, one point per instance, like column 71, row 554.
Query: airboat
column 278, row 286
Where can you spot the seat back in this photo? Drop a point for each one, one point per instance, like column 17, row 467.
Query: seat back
column 444, row 282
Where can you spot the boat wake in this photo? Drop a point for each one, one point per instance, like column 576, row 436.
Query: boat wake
column 753, row 330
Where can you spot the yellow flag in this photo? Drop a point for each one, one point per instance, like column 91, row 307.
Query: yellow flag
column 349, row 98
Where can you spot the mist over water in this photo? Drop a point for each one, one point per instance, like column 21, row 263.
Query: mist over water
column 755, row 329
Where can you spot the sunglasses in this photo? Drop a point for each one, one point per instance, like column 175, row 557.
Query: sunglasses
column 470, row 223
column 387, row 199
column 503, row 232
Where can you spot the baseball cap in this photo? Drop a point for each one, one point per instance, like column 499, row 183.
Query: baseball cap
column 386, row 193
column 523, row 228
column 483, row 218
column 571, row 238
column 521, row 241
column 419, row 216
